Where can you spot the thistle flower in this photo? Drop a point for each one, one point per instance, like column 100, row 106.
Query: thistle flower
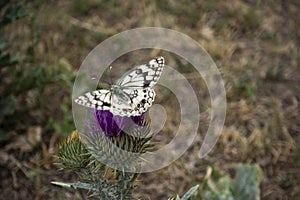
column 117, row 139
column 114, row 125
column 109, row 142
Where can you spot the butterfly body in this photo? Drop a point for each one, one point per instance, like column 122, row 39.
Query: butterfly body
column 132, row 95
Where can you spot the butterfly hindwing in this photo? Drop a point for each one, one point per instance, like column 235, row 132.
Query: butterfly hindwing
column 140, row 100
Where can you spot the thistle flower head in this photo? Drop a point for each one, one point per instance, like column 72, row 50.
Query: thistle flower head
column 117, row 140
column 113, row 125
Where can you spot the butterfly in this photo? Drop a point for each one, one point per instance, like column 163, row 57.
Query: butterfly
column 132, row 95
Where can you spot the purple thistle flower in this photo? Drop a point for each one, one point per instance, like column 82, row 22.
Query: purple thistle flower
column 113, row 125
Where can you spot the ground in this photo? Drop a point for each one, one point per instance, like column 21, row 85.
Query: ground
column 255, row 45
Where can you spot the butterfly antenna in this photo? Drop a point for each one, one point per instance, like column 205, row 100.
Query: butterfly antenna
column 110, row 77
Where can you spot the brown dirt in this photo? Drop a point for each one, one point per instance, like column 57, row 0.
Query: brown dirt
column 249, row 40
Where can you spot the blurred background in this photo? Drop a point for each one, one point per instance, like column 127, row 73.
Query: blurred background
column 255, row 45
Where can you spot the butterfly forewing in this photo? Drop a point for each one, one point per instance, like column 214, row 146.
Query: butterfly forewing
column 143, row 76
column 99, row 99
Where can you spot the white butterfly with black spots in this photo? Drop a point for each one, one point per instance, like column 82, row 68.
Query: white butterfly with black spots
column 132, row 95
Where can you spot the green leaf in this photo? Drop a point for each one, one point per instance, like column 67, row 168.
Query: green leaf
column 219, row 186
column 247, row 179
column 216, row 186
column 187, row 195
column 13, row 13
column 6, row 59
column 190, row 192
column 76, row 185
column 66, row 185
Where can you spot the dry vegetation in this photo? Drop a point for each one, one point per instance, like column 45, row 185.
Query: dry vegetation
column 255, row 45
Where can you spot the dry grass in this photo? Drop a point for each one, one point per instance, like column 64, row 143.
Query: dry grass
column 256, row 47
